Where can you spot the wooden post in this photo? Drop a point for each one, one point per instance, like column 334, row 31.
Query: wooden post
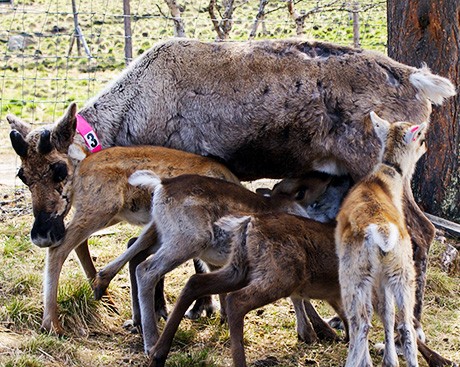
column 78, row 34
column 128, row 32
column 356, row 42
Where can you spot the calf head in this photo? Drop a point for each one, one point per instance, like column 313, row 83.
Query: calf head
column 47, row 170
column 403, row 142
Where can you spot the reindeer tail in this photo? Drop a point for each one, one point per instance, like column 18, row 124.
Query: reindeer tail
column 385, row 236
column 145, row 178
column 431, row 86
column 238, row 228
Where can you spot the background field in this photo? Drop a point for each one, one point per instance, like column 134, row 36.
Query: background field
column 37, row 83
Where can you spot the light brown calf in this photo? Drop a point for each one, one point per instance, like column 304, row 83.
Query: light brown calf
column 375, row 251
column 98, row 189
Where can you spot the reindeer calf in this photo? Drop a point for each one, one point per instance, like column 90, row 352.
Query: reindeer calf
column 375, row 249
column 184, row 209
column 272, row 256
column 99, row 191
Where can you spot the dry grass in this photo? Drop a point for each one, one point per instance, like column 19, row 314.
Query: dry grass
column 95, row 336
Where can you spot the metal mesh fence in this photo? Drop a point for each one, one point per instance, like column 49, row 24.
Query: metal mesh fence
column 53, row 52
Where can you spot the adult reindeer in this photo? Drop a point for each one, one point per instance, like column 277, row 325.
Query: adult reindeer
column 275, row 108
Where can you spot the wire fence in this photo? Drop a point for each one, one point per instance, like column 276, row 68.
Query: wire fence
column 53, row 52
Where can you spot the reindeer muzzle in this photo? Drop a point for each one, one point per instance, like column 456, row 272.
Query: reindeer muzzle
column 48, row 230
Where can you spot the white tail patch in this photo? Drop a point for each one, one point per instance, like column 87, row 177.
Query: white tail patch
column 433, row 87
column 384, row 237
column 145, row 178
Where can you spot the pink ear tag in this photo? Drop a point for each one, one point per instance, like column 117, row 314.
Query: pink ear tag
column 413, row 130
column 88, row 134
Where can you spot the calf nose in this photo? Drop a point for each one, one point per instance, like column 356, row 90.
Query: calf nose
column 48, row 230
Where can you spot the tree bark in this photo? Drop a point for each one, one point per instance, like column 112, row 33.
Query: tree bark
column 426, row 31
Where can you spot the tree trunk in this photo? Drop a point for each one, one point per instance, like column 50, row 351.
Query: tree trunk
column 426, row 31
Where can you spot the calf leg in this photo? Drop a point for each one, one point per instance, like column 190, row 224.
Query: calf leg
column 322, row 328
column 203, row 303
column 401, row 286
column 385, row 309
column 86, row 262
column 305, row 330
column 221, row 281
column 239, row 303
column 168, row 257
column 356, row 288
column 160, row 302
column 147, row 238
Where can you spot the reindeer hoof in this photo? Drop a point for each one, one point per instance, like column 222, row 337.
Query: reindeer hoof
column 99, row 288
column 308, row 338
column 52, row 328
column 157, row 362
column 131, row 327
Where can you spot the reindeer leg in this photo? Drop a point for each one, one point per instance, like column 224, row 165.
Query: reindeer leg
column 199, row 285
column 87, row 264
column 146, row 239
column 203, row 303
column 305, row 330
column 160, row 302
column 422, row 233
column 322, row 328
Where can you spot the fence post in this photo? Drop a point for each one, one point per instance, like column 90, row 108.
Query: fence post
column 355, row 12
column 128, row 33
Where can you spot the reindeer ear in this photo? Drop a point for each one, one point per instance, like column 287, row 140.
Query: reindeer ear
column 264, row 191
column 44, row 144
column 19, row 144
column 64, row 129
column 415, row 132
column 16, row 124
column 381, row 126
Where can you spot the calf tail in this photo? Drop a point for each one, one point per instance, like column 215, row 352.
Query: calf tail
column 145, row 178
column 384, row 236
column 434, row 87
column 238, row 228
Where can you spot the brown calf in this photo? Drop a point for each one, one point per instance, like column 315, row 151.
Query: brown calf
column 98, row 189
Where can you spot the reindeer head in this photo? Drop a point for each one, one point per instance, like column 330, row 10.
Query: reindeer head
column 403, row 142
column 303, row 190
column 47, row 170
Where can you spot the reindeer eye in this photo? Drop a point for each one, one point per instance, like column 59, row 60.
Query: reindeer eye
column 59, row 171
column 301, row 193
column 22, row 177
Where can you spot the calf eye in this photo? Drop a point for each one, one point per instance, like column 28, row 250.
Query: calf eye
column 59, row 171
column 22, row 177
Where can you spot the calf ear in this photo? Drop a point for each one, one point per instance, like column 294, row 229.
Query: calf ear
column 264, row 191
column 19, row 144
column 64, row 129
column 381, row 126
column 16, row 124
